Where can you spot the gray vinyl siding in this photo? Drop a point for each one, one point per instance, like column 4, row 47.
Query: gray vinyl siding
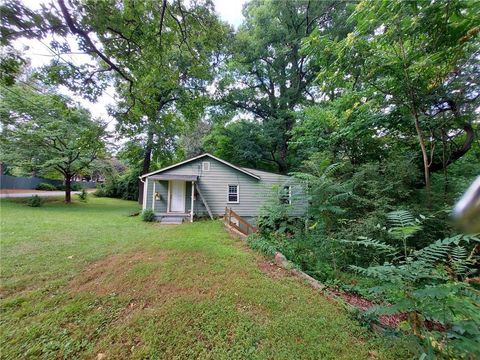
column 214, row 187
column 161, row 186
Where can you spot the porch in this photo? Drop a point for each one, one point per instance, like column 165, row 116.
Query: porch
column 174, row 198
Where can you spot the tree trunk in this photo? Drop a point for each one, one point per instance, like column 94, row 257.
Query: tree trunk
column 426, row 162
column 282, row 161
column 457, row 154
column 68, row 188
column 283, row 150
column 145, row 169
column 426, row 165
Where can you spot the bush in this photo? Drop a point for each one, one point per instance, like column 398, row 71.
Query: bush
column 77, row 187
column 122, row 187
column 100, row 191
column 83, row 196
column 262, row 244
column 148, row 215
column 46, row 186
column 35, row 201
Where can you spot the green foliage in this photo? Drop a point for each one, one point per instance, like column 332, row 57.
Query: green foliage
column 46, row 186
column 431, row 286
column 403, row 58
column 120, row 186
column 274, row 215
column 48, row 132
column 404, row 226
column 326, row 195
column 75, row 187
column 258, row 243
column 148, row 215
column 241, row 142
column 35, row 201
column 83, row 196
column 267, row 76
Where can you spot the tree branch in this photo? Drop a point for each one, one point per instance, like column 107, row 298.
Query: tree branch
column 84, row 35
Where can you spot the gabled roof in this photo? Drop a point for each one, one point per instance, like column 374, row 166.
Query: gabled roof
column 199, row 157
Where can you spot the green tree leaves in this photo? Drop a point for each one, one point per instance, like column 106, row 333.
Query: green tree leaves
column 47, row 132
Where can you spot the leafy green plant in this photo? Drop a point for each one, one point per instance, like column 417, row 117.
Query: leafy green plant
column 404, row 226
column 83, row 196
column 100, row 191
column 46, row 187
column 122, row 187
column 77, row 187
column 261, row 244
column 274, row 215
column 433, row 287
column 148, row 215
column 35, row 201
column 326, row 194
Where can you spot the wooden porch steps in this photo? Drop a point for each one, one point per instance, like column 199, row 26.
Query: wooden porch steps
column 172, row 220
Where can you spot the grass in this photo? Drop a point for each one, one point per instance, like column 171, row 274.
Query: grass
column 86, row 279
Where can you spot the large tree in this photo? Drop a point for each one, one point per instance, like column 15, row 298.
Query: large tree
column 419, row 61
column 160, row 57
column 46, row 132
column 268, row 77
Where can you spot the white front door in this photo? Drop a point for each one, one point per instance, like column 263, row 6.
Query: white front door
column 177, row 196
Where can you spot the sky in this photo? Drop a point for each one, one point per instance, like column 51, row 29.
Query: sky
column 40, row 54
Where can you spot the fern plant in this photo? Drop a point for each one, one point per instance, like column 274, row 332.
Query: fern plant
column 326, row 194
column 433, row 287
column 404, row 226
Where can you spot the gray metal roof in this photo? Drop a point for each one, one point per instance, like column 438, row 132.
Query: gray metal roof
column 174, row 177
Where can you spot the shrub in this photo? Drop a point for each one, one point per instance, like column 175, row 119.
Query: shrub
column 274, row 216
column 46, row 186
column 148, row 215
column 35, row 201
column 433, row 286
column 122, row 187
column 83, row 196
column 100, row 191
column 262, row 244
column 77, row 187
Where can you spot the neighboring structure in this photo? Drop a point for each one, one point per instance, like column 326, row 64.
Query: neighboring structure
column 207, row 184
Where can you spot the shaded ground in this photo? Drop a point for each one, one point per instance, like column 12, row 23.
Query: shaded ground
column 86, row 279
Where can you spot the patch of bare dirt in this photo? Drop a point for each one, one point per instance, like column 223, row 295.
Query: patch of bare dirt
column 360, row 303
column 136, row 276
column 267, row 267
column 272, row 270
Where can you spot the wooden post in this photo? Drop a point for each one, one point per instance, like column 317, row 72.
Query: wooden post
column 191, row 202
column 145, row 189
column 153, row 197
column 230, row 216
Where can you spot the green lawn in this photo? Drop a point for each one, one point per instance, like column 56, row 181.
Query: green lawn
column 87, row 279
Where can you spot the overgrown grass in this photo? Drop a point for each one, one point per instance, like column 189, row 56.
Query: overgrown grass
column 83, row 279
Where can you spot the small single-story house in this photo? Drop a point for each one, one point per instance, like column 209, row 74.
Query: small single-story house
column 206, row 185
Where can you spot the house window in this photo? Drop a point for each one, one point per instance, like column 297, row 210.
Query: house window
column 286, row 195
column 233, row 195
column 206, row 165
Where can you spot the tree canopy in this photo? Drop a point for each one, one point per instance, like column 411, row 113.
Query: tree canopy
column 45, row 132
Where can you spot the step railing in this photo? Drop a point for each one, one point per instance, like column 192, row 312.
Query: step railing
column 237, row 222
